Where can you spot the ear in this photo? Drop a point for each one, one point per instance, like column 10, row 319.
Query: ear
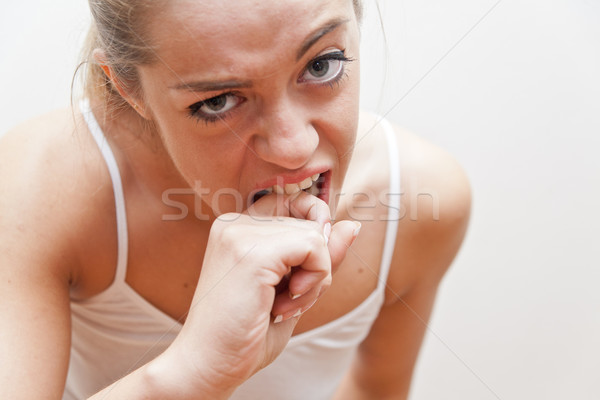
column 100, row 58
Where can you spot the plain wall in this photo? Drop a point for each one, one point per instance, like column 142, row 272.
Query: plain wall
column 512, row 90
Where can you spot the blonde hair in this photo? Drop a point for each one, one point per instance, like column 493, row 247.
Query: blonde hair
column 119, row 29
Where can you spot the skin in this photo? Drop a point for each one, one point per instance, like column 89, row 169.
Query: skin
column 284, row 127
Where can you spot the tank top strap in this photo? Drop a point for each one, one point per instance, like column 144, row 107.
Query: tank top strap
column 394, row 203
column 113, row 169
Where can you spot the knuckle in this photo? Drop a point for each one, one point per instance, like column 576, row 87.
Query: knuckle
column 313, row 225
column 260, row 253
column 228, row 233
column 315, row 238
column 227, row 218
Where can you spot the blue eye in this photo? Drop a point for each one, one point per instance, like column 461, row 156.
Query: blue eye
column 325, row 68
column 216, row 105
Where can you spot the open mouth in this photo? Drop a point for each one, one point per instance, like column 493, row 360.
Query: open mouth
column 315, row 185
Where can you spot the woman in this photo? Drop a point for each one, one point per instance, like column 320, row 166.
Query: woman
column 180, row 228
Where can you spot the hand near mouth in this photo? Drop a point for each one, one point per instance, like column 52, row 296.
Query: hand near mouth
column 236, row 306
column 300, row 282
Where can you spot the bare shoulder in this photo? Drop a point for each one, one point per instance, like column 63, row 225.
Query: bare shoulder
column 435, row 211
column 435, row 202
column 46, row 204
column 53, row 185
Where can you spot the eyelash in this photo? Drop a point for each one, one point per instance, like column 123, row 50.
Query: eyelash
column 340, row 55
column 195, row 113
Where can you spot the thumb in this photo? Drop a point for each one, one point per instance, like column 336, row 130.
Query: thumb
column 278, row 336
column 343, row 234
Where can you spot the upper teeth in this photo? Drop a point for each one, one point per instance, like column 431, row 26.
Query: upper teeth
column 291, row 188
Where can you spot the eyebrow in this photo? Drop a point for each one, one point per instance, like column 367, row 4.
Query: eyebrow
column 318, row 34
column 213, row 86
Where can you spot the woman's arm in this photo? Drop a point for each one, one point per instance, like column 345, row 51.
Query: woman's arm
column 34, row 325
column 425, row 248
column 229, row 333
column 43, row 223
column 35, row 272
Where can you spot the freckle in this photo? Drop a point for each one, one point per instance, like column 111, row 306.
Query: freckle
column 360, row 270
column 186, row 285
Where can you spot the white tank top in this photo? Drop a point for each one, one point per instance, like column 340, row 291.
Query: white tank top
column 117, row 331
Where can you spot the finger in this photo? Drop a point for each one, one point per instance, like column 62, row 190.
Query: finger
column 343, row 234
column 303, row 249
column 278, row 336
column 311, row 208
column 302, row 281
column 306, row 206
column 285, row 308
column 306, row 250
column 269, row 205
column 300, row 205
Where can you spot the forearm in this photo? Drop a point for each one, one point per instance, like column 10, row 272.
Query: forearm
column 351, row 388
column 384, row 362
column 138, row 385
column 157, row 380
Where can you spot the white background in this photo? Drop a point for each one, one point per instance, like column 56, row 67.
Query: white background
column 515, row 96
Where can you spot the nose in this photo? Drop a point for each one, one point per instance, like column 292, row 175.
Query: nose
column 286, row 138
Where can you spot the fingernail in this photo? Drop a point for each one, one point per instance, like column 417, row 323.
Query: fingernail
column 357, row 229
column 305, row 309
column 280, row 317
column 327, row 232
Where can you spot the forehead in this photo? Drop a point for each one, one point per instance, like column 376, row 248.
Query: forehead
column 207, row 35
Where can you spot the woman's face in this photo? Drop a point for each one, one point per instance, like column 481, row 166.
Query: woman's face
column 249, row 94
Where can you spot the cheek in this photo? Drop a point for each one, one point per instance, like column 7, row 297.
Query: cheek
column 213, row 170
column 197, row 158
column 352, row 106
column 345, row 116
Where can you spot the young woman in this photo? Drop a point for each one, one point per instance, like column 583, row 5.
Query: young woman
column 191, row 228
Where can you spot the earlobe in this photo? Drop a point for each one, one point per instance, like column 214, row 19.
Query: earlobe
column 100, row 58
